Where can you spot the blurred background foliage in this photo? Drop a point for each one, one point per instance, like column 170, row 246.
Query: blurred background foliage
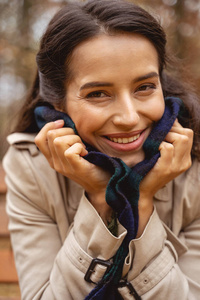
column 22, row 22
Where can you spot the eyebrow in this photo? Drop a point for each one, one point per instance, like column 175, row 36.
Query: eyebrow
column 94, row 84
column 146, row 76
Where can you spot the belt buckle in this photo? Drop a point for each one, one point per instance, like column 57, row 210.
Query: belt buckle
column 94, row 262
column 132, row 291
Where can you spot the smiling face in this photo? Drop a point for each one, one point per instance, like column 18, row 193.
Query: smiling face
column 115, row 94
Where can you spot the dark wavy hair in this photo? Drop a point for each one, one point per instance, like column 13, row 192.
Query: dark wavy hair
column 78, row 22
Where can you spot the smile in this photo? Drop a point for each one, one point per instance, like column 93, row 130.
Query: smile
column 125, row 140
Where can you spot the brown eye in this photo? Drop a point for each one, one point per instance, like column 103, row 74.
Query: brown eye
column 97, row 94
column 146, row 87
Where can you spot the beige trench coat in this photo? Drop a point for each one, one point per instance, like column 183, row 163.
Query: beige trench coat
column 56, row 233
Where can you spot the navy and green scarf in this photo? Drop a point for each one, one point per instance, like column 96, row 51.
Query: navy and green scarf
column 122, row 192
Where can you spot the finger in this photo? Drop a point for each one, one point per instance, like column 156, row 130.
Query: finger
column 59, row 134
column 170, row 163
column 91, row 177
column 58, row 137
column 182, row 151
column 177, row 124
column 177, row 127
column 54, row 133
column 41, row 137
column 58, row 144
column 166, row 155
column 176, row 138
column 160, row 173
column 182, row 142
column 74, row 156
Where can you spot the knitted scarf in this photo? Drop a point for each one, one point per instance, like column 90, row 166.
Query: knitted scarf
column 122, row 192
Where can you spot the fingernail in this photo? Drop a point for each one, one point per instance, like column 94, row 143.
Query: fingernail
column 59, row 123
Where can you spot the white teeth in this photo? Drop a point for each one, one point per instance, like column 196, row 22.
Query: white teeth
column 125, row 140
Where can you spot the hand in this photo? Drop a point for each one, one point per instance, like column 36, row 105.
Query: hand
column 65, row 151
column 175, row 158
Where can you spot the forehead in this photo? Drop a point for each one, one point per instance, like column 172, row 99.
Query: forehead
column 108, row 52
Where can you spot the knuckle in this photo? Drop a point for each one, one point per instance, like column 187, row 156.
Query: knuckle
column 190, row 134
column 184, row 139
column 57, row 142
column 189, row 131
column 50, row 134
column 70, row 155
column 169, row 146
column 76, row 139
column 67, row 154
column 78, row 146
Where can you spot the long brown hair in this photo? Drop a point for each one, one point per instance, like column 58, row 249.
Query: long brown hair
column 78, row 22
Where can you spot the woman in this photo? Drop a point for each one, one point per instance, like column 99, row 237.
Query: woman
column 103, row 63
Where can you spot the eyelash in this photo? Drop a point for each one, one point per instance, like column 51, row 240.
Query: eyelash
column 147, row 86
column 143, row 88
column 94, row 94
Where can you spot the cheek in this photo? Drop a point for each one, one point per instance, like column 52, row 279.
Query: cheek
column 157, row 110
column 81, row 115
column 86, row 123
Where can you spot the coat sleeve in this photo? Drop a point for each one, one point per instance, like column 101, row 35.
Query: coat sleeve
column 49, row 267
column 163, row 264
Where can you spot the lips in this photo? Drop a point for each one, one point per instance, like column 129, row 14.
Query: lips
column 125, row 140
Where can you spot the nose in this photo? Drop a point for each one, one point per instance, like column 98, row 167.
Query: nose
column 126, row 112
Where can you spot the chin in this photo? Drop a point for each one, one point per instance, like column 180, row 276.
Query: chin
column 131, row 163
